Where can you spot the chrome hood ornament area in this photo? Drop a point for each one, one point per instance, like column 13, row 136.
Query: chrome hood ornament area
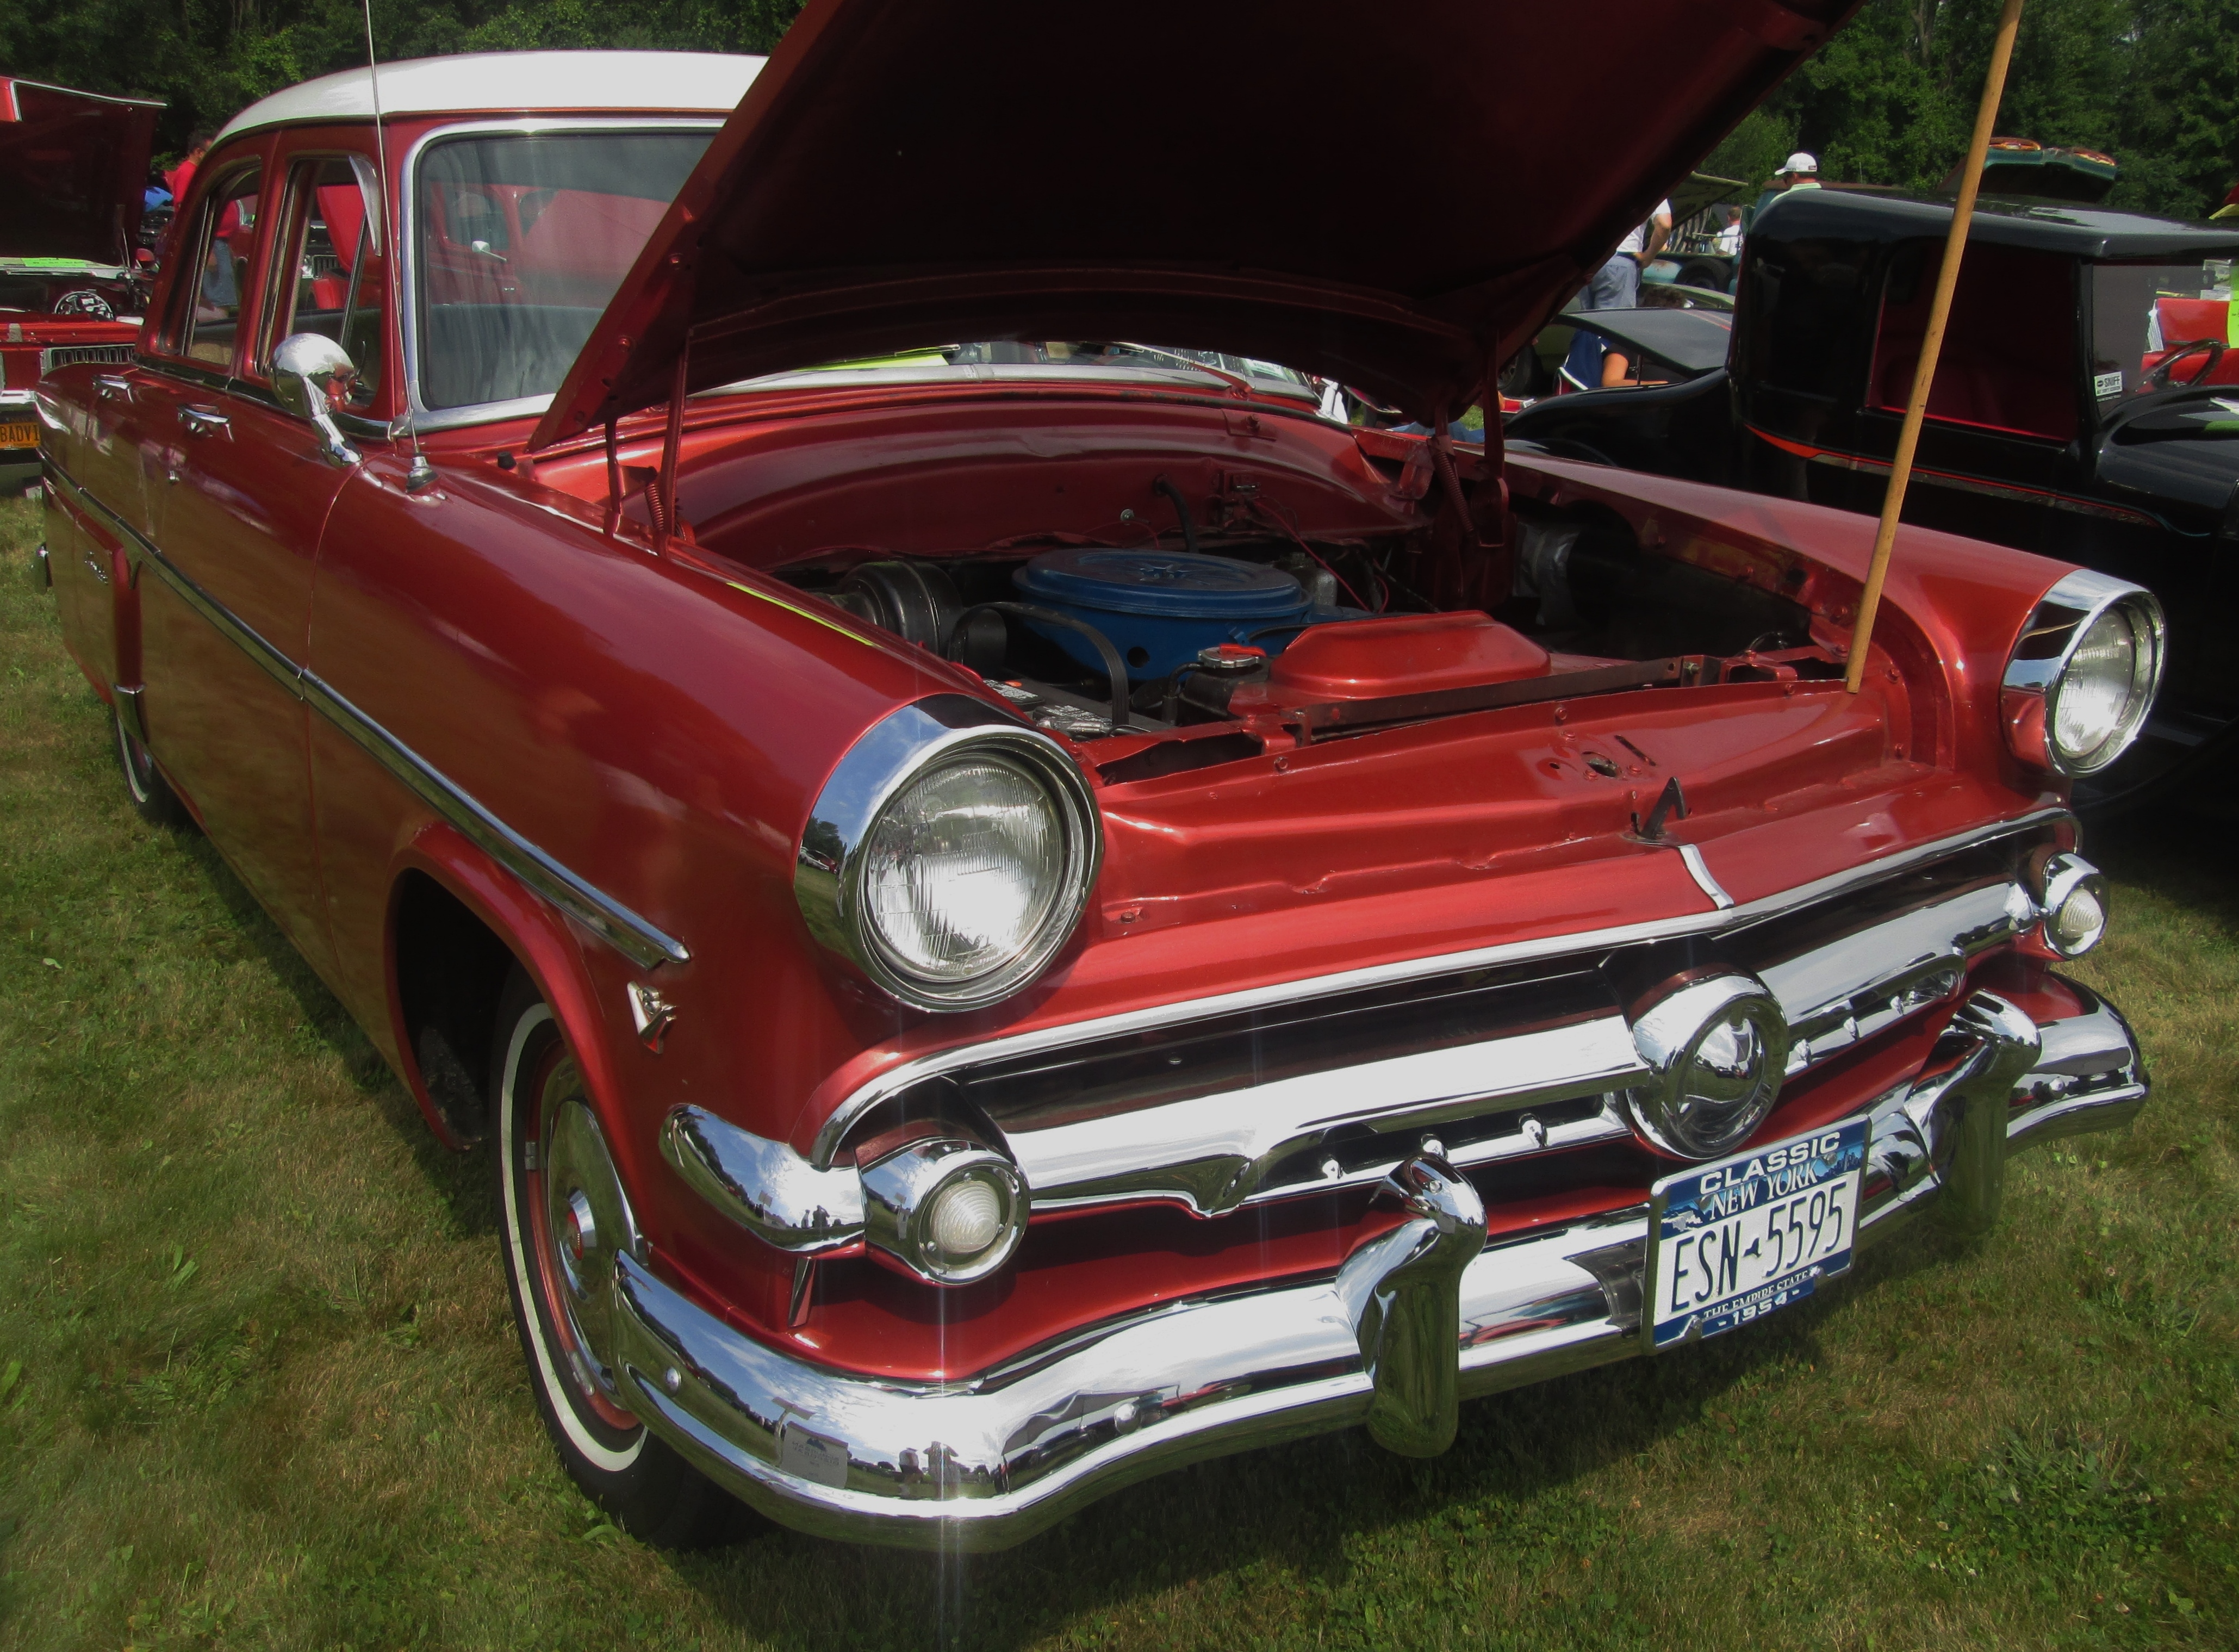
column 1716, row 1049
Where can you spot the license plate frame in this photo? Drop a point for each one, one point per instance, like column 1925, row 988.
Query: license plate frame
column 1732, row 1197
column 19, row 434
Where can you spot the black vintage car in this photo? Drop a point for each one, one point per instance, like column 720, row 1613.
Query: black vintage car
column 2086, row 404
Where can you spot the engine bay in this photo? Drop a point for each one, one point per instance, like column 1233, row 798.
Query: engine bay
column 1279, row 640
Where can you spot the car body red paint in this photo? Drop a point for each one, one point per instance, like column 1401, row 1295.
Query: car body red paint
column 72, row 166
column 602, row 727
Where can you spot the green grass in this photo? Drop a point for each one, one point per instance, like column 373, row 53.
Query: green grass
column 258, row 1385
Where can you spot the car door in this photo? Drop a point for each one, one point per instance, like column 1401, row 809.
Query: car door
column 238, row 493
column 93, row 458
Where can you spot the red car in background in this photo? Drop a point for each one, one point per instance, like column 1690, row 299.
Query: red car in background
column 73, row 166
column 1012, row 906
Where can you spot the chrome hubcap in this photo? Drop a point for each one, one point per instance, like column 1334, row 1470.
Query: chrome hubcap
column 585, row 1220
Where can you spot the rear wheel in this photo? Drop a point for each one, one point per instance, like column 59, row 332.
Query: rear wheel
column 151, row 795
column 564, row 1218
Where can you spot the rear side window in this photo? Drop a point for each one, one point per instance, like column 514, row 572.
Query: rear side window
column 518, row 240
column 329, row 274
column 1808, row 310
column 2009, row 357
column 225, row 246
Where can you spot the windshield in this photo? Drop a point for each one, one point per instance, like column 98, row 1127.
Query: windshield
column 2143, row 314
column 519, row 242
column 1060, row 358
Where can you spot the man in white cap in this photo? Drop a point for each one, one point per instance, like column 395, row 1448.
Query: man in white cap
column 1799, row 171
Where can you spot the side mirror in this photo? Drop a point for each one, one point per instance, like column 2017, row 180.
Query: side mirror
column 304, row 366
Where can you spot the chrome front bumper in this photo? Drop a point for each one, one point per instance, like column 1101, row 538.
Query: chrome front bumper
column 1416, row 1320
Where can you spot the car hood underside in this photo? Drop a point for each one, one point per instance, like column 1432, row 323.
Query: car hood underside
column 1394, row 198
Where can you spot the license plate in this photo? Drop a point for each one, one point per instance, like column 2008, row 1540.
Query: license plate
column 19, row 435
column 1731, row 1241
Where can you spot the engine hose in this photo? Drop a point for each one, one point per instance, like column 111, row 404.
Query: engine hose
column 1114, row 667
column 1165, row 485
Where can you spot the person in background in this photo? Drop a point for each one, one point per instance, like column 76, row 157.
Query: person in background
column 181, row 176
column 1616, row 285
column 1801, row 172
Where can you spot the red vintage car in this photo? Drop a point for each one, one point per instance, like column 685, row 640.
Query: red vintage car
column 1015, row 908
column 72, row 166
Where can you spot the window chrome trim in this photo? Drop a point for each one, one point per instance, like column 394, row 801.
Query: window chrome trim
column 835, row 1127
column 604, row 917
column 407, row 309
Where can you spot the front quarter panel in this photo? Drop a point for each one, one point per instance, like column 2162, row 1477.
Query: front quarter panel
column 1952, row 608
column 654, row 729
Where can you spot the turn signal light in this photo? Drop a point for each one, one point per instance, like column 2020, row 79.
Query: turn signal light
column 948, row 1209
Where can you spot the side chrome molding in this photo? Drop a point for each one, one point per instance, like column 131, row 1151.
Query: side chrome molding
column 636, row 939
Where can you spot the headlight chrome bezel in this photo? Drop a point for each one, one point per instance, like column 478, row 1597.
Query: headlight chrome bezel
column 901, row 749
column 2035, row 674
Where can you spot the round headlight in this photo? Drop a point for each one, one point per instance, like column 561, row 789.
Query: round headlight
column 2102, row 694
column 949, row 1210
column 947, row 859
column 1715, row 1049
column 961, row 869
column 2078, row 688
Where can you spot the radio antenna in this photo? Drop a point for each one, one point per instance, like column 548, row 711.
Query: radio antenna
column 421, row 474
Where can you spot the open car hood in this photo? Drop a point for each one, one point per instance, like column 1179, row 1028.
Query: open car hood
column 1392, row 197
column 73, row 166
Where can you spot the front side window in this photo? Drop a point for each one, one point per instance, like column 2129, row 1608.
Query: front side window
column 518, row 240
column 226, row 245
column 328, row 273
column 2144, row 314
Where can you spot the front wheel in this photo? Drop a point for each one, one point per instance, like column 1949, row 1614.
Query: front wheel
column 564, row 1217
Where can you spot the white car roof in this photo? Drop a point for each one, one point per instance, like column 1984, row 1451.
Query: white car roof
column 508, row 83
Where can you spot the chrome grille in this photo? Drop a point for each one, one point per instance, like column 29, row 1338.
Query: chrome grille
column 1500, row 1065
column 71, row 355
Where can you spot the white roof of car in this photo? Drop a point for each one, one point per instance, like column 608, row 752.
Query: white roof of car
column 510, row 82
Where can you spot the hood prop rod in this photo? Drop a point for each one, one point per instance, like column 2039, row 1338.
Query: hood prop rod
column 666, row 523
column 1931, row 343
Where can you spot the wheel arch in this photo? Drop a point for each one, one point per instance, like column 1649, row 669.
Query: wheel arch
column 457, row 926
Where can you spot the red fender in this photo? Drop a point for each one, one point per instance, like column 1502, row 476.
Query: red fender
column 539, row 939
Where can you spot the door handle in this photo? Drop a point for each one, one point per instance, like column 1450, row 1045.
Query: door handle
column 204, row 421
column 112, row 384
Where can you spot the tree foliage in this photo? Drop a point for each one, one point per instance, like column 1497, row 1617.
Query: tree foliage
column 1889, row 100
column 1892, row 97
column 208, row 58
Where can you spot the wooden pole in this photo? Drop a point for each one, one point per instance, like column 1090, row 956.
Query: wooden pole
column 1931, row 344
